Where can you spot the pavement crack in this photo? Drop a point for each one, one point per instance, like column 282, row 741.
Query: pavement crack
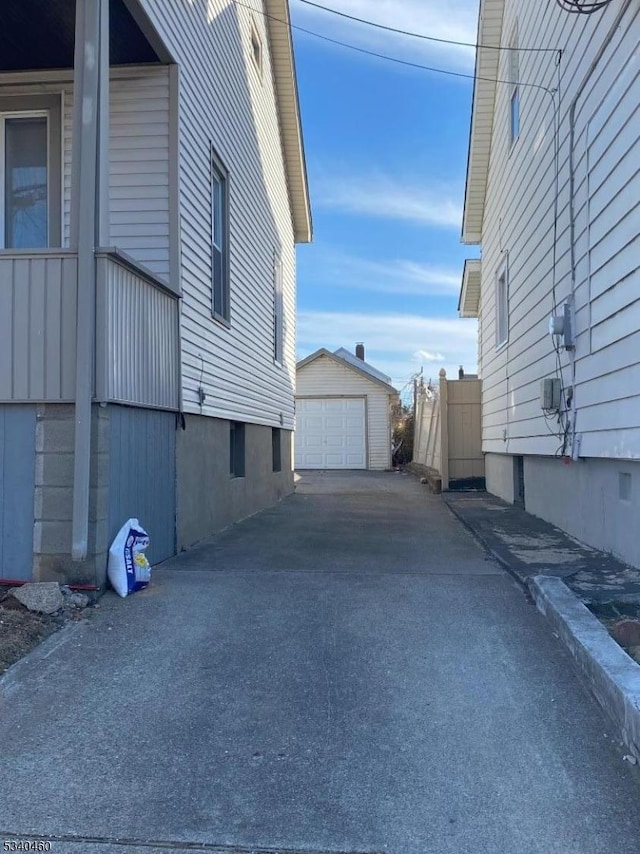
column 170, row 845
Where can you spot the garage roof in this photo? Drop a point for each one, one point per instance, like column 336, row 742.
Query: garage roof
column 351, row 361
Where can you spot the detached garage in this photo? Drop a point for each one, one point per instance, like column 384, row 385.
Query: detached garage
column 343, row 412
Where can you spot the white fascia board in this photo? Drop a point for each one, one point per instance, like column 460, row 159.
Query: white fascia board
column 284, row 72
column 484, row 95
column 469, row 302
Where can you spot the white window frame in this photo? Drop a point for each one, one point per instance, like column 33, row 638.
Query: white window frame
column 278, row 311
column 502, row 304
column 22, row 114
column 514, row 89
column 220, row 303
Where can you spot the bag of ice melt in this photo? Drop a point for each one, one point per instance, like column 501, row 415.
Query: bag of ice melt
column 128, row 568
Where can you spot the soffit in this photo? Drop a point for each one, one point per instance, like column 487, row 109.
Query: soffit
column 37, row 36
column 469, row 302
column 284, row 70
column 484, row 96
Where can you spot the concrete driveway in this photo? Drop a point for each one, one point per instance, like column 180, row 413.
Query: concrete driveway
column 345, row 672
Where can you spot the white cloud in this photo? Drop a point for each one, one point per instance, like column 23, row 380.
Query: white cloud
column 399, row 276
column 445, row 19
column 396, row 344
column 425, row 356
column 376, row 195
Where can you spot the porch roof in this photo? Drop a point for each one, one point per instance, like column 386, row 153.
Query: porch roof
column 36, row 35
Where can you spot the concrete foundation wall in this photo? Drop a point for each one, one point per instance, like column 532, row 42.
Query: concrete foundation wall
column 499, row 475
column 597, row 501
column 208, row 497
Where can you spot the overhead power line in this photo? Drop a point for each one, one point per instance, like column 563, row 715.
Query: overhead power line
column 394, row 59
column 412, row 34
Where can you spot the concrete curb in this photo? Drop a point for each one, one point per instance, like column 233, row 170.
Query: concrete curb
column 613, row 677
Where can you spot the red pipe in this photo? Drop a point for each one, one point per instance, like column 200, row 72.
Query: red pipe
column 7, row 582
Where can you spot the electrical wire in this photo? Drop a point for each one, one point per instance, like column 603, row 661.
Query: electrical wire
column 393, row 59
column 580, row 7
column 412, row 34
column 564, row 422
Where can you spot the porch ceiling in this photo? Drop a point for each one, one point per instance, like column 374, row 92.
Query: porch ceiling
column 36, row 35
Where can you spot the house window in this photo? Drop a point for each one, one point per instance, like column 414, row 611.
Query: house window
column 514, row 82
column 236, row 449
column 276, row 448
column 502, row 305
column 30, row 172
column 220, row 239
column 256, row 49
column 278, row 312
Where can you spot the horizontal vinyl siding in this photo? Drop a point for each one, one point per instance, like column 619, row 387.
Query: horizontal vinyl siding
column 225, row 103
column 139, row 158
column 519, row 220
column 325, row 378
column 139, row 170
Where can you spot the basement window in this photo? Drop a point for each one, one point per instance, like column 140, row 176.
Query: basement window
column 624, row 486
column 276, row 448
column 236, row 449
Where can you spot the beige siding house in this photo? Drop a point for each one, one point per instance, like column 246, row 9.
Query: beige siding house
column 343, row 413
column 552, row 197
column 153, row 192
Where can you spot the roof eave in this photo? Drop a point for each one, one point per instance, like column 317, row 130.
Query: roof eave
column 469, row 301
column 284, row 71
column 484, row 94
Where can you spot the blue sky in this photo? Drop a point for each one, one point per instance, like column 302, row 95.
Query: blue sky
column 386, row 152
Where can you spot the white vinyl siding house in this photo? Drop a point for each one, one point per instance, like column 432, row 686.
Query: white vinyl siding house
column 567, row 213
column 343, row 415
column 234, row 365
column 147, row 311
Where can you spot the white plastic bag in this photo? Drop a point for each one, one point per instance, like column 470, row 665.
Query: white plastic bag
column 128, row 568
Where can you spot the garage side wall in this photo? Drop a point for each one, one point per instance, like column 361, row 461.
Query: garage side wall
column 326, row 378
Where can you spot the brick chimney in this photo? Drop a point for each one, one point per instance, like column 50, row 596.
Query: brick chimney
column 360, row 351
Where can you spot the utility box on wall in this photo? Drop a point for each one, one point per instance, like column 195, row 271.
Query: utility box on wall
column 550, row 394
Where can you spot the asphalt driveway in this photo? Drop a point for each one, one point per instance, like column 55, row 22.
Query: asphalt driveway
column 345, row 672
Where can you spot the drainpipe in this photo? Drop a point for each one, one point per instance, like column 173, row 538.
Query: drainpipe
column 572, row 195
column 89, row 215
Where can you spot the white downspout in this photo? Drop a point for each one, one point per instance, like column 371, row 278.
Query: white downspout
column 89, row 218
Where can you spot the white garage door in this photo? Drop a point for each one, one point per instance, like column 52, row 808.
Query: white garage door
column 330, row 433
